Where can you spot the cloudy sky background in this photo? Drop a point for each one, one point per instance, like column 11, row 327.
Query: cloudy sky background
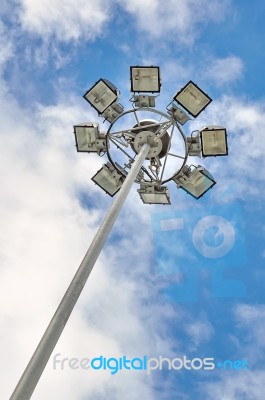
column 51, row 52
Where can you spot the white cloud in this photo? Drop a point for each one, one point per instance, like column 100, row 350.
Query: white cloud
column 180, row 21
column 224, row 70
column 251, row 318
column 200, row 332
column 66, row 20
column 175, row 20
column 247, row 314
column 6, row 46
column 248, row 384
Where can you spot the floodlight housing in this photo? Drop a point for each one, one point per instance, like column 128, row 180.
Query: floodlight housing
column 144, row 101
column 179, row 115
column 193, row 145
column 112, row 112
column 214, row 141
column 192, row 99
column 196, row 182
column 102, row 95
column 88, row 138
column 151, row 193
column 109, row 179
column 145, row 79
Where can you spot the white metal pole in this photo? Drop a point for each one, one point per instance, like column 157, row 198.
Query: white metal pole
column 37, row 363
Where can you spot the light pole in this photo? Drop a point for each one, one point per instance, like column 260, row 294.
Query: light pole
column 146, row 141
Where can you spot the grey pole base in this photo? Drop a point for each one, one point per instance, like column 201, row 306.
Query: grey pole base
column 37, row 363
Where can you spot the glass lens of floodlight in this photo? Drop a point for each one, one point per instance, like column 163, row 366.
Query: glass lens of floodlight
column 198, row 184
column 104, row 179
column 101, row 96
column 85, row 137
column 214, row 142
column 145, row 79
column 154, row 198
column 193, row 99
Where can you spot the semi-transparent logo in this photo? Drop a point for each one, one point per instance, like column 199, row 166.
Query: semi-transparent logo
column 147, row 364
column 192, row 241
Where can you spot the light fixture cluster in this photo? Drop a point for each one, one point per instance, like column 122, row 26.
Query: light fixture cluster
column 186, row 104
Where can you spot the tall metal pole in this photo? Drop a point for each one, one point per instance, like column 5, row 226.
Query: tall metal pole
column 37, row 363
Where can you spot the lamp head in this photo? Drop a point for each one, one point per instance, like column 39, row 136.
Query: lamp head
column 192, row 99
column 145, row 79
column 214, row 141
column 102, row 95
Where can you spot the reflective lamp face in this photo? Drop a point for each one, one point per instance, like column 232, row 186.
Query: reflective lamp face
column 86, row 136
column 214, row 142
column 154, row 198
column 145, row 79
column 150, row 195
column 199, row 182
column 101, row 95
column 108, row 179
column 192, row 99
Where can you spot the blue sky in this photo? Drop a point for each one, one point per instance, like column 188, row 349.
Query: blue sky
column 151, row 292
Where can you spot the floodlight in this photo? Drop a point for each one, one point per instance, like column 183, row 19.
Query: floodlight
column 178, row 114
column 145, row 79
column 192, row 99
column 196, row 182
column 214, row 141
column 193, row 145
column 109, row 179
column 144, row 101
column 102, row 95
column 112, row 112
column 89, row 139
column 150, row 193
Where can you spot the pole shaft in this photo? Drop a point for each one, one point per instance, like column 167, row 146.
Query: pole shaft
column 38, row 361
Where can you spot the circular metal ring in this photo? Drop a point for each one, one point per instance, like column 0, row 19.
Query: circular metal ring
column 162, row 114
